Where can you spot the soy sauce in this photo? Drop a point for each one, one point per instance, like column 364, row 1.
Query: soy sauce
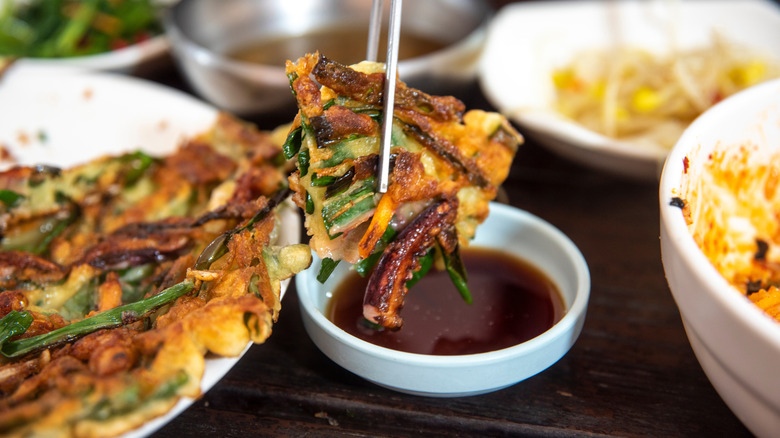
column 513, row 302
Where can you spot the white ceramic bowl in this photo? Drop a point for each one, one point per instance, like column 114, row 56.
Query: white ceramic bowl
column 527, row 41
column 508, row 229
column 202, row 31
column 138, row 59
column 737, row 345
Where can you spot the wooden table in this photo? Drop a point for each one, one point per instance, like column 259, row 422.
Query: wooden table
column 631, row 373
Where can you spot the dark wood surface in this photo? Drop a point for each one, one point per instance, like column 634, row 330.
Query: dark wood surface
column 631, row 372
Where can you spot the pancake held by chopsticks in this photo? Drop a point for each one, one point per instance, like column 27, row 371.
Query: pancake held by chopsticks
column 446, row 166
column 117, row 277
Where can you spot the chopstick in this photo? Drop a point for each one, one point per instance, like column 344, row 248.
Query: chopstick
column 374, row 30
column 391, row 74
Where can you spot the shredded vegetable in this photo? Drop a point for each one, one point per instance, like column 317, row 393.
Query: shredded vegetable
column 67, row 28
column 629, row 93
column 732, row 206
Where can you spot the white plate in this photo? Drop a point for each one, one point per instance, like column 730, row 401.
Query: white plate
column 527, row 41
column 128, row 60
column 85, row 115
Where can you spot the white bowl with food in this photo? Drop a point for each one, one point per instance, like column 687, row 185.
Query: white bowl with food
column 119, row 37
column 719, row 207
column 508, row 230
column 571, row 73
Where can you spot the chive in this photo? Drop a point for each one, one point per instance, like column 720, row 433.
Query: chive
column 322, row 181
column 303, row 161
column 364, row 267
column 110, row 318
column 341, row 209
column 14, row 323
column 10, row 198
column 37, row 239
column 168, row 389
column 371, row 325
column 340, row 184
column 219, row 246
column 309, row 203
column 139, row 162
column 457, row 273
column 293, row 142
column 341, row 152
column 253, row 287
column 426, row 262
column 355, row 211
column 326, row 268
column 372, row 111
column 292, row 77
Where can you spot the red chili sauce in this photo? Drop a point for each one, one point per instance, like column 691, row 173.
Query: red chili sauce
column 513, row 302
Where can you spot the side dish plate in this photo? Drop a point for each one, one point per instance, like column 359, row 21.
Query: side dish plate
column 66, row 118
column 135, row 58
column 527, row 41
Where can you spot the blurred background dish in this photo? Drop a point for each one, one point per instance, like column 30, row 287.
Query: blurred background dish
column 735, row 341
column 531, row 48
column 121, row 37
column 507, row 229
column 233, row 52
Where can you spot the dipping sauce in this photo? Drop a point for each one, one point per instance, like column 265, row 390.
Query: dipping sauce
column 345, row 44
column 513, row 302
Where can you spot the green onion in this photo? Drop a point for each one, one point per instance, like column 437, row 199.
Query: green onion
column 322, row 181
column 110, row 318
column 303, row 161
column 14, row 323
column 426, row 262
column 219, row 246
column 293, row 142
column 326, row 268
column 10, row 198
column 457, row 272
column 139, row 162
column 309, row 204
column 364, row 267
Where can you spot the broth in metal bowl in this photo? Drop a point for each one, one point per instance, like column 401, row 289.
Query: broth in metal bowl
column 233, row 51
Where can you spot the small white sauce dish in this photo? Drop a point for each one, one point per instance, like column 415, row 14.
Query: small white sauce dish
column 508, row 229
column 736, row 343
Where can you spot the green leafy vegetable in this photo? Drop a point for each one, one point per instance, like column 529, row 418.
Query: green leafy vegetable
column 110, row 318
column 326, row 268
column 14, row 323
column 426, row 262
column 10, row 198
column 293, row 142
column 457, row 272
column 66, row 28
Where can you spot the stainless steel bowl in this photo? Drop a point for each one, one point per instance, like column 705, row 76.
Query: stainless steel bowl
column 204, row 32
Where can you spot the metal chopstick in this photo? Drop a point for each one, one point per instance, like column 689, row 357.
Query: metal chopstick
column 391, row 74
column 374, row 30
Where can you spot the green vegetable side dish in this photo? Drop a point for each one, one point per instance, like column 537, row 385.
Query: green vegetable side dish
column 69, row 28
